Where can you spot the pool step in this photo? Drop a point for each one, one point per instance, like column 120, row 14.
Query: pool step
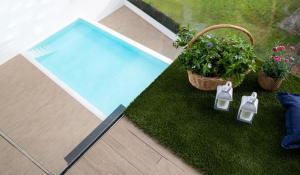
column 40, row 51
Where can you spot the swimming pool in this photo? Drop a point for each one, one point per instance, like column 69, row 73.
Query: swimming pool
column 97, row 66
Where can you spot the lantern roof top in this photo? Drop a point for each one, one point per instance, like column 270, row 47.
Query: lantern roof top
column 224, row 92
column 250, row 103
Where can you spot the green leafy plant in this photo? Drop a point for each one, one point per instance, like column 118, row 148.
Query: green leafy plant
column 279, row 64
column 229, row 57
column 184, row 36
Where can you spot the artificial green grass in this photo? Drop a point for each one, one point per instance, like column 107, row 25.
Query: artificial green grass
column 183, row 119
column 260, row 17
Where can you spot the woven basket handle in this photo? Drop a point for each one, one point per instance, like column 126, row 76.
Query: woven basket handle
column 221, row 26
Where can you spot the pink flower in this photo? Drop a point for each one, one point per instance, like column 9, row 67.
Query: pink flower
column 276, row 58
column 282, row 47
column 286, row 60
column 278, row 48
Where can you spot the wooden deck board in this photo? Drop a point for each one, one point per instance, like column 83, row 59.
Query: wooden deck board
column 164, row 167
column 153, row 144
column 129, row 147
column 102, row 159
column 133, row 150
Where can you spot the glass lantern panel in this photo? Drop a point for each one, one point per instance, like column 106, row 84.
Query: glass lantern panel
column 246, row 115
column 222, row 104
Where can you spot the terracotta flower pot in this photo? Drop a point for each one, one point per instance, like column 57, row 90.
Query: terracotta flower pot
column 269, row 83
column 296, row 70
column 205, row 83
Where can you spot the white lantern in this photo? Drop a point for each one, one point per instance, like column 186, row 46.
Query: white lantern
column 248, row 108
column 223, row 96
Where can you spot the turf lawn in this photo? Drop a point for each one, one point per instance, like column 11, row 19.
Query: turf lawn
column 183, row 119
column 260, row 17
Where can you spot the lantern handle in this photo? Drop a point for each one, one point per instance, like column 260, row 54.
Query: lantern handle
column 253, row 97
column 229, row 84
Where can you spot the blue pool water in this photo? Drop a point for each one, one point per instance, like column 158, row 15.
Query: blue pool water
column 100, row 67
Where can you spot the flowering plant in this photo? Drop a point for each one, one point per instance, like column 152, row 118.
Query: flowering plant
column 227, row 57
column 279, row 64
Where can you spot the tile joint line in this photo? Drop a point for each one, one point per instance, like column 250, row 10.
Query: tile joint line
column 22, row 151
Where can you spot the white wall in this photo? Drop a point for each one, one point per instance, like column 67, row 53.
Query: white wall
column 23, row 23
column 96, row 9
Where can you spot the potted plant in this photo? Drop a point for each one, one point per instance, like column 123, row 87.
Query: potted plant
column 211, row 60
column 275, row 69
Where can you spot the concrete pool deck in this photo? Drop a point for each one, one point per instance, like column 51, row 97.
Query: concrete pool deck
column 48, row 123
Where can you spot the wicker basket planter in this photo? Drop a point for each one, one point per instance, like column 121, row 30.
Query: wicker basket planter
column 204, row 83
column 211, row 83
column 269, row 83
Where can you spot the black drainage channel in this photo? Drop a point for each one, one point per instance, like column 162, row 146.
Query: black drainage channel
column 96, row 134
column 157, row 15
